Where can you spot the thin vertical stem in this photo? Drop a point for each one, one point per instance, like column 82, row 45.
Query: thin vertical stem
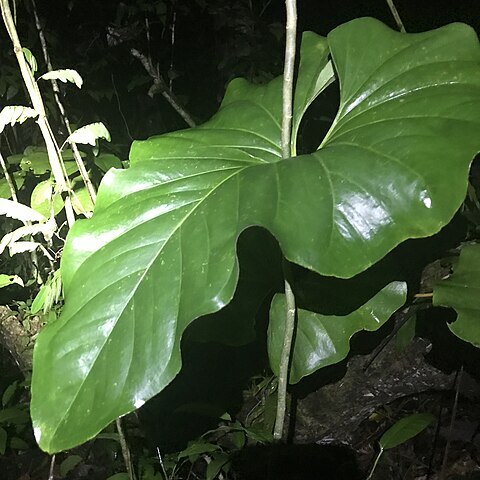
column 56, row 94
column 287, row 108
column 452, row 424
column 375, row 464
column 285, row 362
column 125, row 450
column 52, row 467
column 11, row 184
column 37, row 102
column 288, row 72
column 396, row 16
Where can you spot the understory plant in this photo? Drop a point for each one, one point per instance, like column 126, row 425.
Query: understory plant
column 208, row 223
column 160, row 250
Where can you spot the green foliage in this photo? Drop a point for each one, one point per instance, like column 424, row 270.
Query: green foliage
column 44, row 200
column 31, row 60
column 69, row 464
column 402, row 431
column 106, row 161
column 460, row 291
column 405, row 429
column 14, row 419
column 66, row 75
column 160, row 248
column 48, row 295
column 7, row 280
column 323, row 340
column 89, row 134
column 15, row 114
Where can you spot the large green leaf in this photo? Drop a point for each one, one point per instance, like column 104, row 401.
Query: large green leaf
column 461, row 291
column 159, row 250
column 323, row 340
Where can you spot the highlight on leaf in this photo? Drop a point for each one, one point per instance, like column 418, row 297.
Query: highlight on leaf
column 66, row 75
column 15, row 114
column 21, row 212
column 89, row 134
column 7, row 280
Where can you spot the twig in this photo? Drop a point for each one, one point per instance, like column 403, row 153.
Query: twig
column 159, row 85
column 396, row 16
column 37, row 102
column 120, row 109
column 56, row 94
column 291, row 31
column 452, row 423
column 125, row 450
column 11, row 184
column 52, row 466
column 172, row 47
column 288, row 73
column 161, row 464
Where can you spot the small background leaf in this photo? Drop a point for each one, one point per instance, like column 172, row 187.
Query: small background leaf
column 31, row 60
column 405, row 429
column 44, row 200
column 106, row 161
column 35, row 159
column 18, row 178
column 89, row 134
column 18, row 211
column 197, row 448
column 215, row 466
column 67, row 75
column 81, row 201
column 15, row 114
column 69, row 464
column 461, row 291
column 6, row 280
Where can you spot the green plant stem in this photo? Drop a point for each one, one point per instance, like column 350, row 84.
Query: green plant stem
column 160, row 460
column 37, row 102
column 288, row 76
column 56, row 94
column 8, row 178
column 125, row 450
column 287, row 107
column 375, row 464
column 51, row 475
column 452, row 424
column 285, row 362
column 396, row 16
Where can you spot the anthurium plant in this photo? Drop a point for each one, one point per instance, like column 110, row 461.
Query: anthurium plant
column 160, row 250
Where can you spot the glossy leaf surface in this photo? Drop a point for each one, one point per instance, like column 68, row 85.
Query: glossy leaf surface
column 461, row 291
column 323, row 340
column 159, row 250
